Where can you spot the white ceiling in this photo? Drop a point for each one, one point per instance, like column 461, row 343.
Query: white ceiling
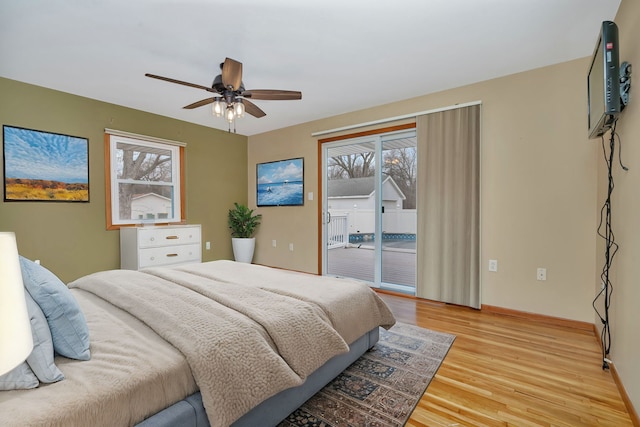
column 344, row 55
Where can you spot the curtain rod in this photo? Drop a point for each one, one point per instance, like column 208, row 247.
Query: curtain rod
column 396, row 118
column 144, row 137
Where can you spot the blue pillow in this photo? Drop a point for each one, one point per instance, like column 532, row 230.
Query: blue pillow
column 41, row 359
column 67, row 323
column 20, row 377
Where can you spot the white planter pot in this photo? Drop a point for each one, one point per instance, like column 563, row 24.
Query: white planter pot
column 243, row 248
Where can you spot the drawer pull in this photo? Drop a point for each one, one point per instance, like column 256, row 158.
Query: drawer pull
column 172, row 255
column 171, row 237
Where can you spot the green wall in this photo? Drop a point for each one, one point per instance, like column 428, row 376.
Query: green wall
column 71, row 238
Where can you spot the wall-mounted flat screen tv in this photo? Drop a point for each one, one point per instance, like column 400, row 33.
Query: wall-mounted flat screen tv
column 603, row 81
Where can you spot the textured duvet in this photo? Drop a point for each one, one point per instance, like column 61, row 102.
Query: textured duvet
column 247, row 332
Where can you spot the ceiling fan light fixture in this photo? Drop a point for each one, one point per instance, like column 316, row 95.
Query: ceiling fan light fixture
column 230, row 114
column 238, row 108
column 217, row 108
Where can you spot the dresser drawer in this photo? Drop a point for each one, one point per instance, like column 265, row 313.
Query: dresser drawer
column 142, row 247
column 154, row 257
column 154, row 237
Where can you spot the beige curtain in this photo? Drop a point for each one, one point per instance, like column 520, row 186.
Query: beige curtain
column 448, row 244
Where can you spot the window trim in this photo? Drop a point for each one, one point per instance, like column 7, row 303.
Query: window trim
column 107, row 169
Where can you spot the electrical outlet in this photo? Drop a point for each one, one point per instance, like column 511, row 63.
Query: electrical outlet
column 207, row 246
column 274, row 243
column 493, row 265
column 542, row 274
column 291, row 247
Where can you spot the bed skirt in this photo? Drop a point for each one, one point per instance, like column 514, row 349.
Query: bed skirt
column 190, row 411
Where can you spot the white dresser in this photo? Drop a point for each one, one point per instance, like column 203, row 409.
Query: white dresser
column 142, row 247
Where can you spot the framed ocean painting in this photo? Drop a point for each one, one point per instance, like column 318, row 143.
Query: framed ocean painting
column 280, row 183
column 44, row 167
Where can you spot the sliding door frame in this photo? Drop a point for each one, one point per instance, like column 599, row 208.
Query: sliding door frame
column 321, row 177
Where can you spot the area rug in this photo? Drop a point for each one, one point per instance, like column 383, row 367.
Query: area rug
column 383, row 386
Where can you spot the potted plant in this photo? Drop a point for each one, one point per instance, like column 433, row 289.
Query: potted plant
column 243, row 224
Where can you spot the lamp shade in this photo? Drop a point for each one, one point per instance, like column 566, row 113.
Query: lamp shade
column 217, row 108
column 238, row 108
column 230, row 114
column 16, row 341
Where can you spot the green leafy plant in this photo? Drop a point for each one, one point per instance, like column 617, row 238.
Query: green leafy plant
column 242, row 221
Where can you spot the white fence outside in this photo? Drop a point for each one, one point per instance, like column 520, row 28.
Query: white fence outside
column 337, row 231
column 363, row 221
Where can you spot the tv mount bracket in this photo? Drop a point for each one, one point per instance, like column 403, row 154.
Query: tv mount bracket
column 625, row 83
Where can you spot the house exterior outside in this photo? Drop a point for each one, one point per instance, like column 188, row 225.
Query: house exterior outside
column 352, row 201
column 150, row 206
column 359, row 193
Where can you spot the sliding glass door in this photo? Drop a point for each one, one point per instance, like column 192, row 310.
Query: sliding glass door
column 350, row 212
column 369, row 212
column 399, row 217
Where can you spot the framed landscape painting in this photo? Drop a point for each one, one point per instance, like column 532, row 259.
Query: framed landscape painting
column 280, row 183
column 44, row 167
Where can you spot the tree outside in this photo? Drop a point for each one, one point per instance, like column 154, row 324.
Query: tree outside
column 141, row 170
column 398, row 163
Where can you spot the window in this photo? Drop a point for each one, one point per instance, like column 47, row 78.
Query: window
column 144, row 179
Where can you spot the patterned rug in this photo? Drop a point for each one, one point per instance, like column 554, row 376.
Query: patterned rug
column 383, row 386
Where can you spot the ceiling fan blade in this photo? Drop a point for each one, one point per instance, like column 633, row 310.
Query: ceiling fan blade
column 253, row 109
column 199, row 103
column 180, row 82
column 271, row 94
column 232, row 74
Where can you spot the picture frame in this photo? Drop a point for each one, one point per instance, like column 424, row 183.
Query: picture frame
column 42, row 166
column 280, row 183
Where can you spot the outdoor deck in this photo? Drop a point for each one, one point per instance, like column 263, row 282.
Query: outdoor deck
column 398, row 267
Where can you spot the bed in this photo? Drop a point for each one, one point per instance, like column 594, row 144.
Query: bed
column 218, row 343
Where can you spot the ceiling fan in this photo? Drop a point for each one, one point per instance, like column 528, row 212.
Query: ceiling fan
column 230, row 98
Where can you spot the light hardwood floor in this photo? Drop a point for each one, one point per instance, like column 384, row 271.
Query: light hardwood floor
column 509, row 371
